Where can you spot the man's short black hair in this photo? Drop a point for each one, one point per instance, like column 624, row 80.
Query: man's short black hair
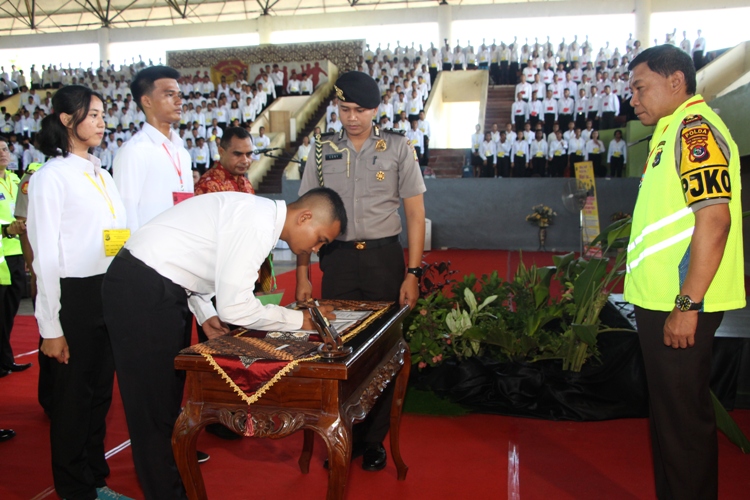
column 231, row 132
column 143, row 83
column 337, row 212
column 666, row 60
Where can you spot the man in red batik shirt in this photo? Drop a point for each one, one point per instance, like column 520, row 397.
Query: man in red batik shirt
column 235, row 150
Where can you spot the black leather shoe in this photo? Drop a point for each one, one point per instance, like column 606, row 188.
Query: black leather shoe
column 219, row 430
column 4, row 372
column 374, row 458
column 6, row 434
column 19, row 368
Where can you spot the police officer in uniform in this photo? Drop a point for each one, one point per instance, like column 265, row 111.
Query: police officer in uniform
column 685, row 265
column 372, row 170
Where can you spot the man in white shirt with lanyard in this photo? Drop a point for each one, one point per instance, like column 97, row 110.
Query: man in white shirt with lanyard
column 152, row 170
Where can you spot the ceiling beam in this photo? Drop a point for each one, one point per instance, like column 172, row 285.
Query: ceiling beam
column 266, row 6
column 182, row 11
column 31, row 11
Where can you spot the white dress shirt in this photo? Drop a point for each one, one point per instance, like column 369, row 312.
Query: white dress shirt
column 214, row 244
column 71, row 202
column 617, row 149
column 147, row 171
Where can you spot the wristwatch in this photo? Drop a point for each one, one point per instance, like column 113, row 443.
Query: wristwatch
column 416, row 271
column 684, row 303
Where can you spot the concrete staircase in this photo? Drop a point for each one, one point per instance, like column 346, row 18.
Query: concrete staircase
column 271, row 183
column 499, row 102
column 447, row 163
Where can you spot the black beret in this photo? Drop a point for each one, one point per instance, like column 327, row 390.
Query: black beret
column 358, row 88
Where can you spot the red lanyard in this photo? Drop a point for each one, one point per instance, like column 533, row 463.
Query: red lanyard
column 176, row 165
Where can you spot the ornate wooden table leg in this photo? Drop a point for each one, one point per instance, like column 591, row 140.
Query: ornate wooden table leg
column 184, row 439
column 307, row 449
column 338, row 438
column 396, row 408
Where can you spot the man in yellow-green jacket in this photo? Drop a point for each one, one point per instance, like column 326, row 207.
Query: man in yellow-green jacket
column 684, row 267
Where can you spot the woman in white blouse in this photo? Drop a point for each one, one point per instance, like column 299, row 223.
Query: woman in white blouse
column 76, row 224
column 617, row 154
column 595, row 154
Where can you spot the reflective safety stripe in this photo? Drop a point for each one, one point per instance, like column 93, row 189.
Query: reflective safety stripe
column 687, row 233
column 655, row 226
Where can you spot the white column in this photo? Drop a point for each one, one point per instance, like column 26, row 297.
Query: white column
column 264, row 29
column 643, row 22
column 445, row 21
column 103, row 38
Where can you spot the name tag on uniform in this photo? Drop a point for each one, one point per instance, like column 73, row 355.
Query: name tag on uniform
column 557, row 153
column 114, row 239
column 539, row 154
column 616, row 154
column 520, row 153
column 488, row 153
column 335, row 156
column 180, row 196
column 596, row 150
column 500, row 154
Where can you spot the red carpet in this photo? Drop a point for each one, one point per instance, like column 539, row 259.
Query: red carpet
column 449, row 458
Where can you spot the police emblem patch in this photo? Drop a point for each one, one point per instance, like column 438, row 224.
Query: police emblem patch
column 25, row 187
column 339, row 93
column 380, row 175
column 696, row 139
column 657, row 159
column 381, row 145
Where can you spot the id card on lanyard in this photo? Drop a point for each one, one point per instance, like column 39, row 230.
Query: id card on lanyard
column 181, row 195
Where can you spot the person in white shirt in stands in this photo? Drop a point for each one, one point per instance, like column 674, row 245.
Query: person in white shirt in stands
column 519, row 112
column 333, row 124
column 609, row 108
column 152, row 170
column 105, row 157
column 699, row 49
column 557, row 155
column 538, row 154
column 261, row 142
column 200, row 247
column 293, row 87
column 503, row 156
column 595, row 154
column 581, row 108
column 416, row 139
column 402, row 123
column 487, row 154
column 248, row 110
column 385, row 108
column 333, row 107
column 685, row 44
column 303, row 152
column 536, row 110
column 424, row 127
column 594, row 107
column 458, row 59
column 201, row 156
column 414, row 105
column 617, row 155
column 519, row 150
column 306, row 85
column 565, row 107
column 73, row 205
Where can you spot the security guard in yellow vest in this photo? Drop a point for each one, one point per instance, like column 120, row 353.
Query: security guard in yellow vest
column 684, row 266
column 5, row 434
column 10, row 295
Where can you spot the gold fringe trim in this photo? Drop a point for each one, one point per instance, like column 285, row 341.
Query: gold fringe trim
column 288, row 368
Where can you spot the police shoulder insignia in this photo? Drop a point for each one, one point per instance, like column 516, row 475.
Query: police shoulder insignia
column 25, row 187
column 691, row 119
column 696, row 142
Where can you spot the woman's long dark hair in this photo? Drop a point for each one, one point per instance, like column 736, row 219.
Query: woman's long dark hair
column 74, row 100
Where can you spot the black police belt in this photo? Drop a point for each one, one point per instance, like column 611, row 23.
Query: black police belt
column 362, row 244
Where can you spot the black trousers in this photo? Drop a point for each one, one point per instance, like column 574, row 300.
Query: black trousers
column 563, row 119
column 279, row 90
column 616, row 166
column 81, row 392
column 600, row 169
column 446, row 67
column 201, row 168
column 519, row 122
column 519, row 166
column 557, row 165
column 539, row 165
column 594, row 120
column 504, row 73
column 503, row 166
column 149, row 322
column 495, row 73
column 10, row 299
column 698, row 59
column 374, row 274
column 425, row 160
column 581, row 120
column 433, row 74
column 682, row 419
column 608, row 120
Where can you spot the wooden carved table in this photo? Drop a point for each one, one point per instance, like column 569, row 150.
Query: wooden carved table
column 321, row 396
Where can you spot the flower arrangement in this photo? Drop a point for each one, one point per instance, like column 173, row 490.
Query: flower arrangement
column 542, row 215
column 519, row 319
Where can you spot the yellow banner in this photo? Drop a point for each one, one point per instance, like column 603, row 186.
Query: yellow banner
column 585, row 175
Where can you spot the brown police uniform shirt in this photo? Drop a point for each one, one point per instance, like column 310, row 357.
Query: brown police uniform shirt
column 370, row 182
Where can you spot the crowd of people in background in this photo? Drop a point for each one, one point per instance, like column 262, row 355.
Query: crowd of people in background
column 568, row 87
